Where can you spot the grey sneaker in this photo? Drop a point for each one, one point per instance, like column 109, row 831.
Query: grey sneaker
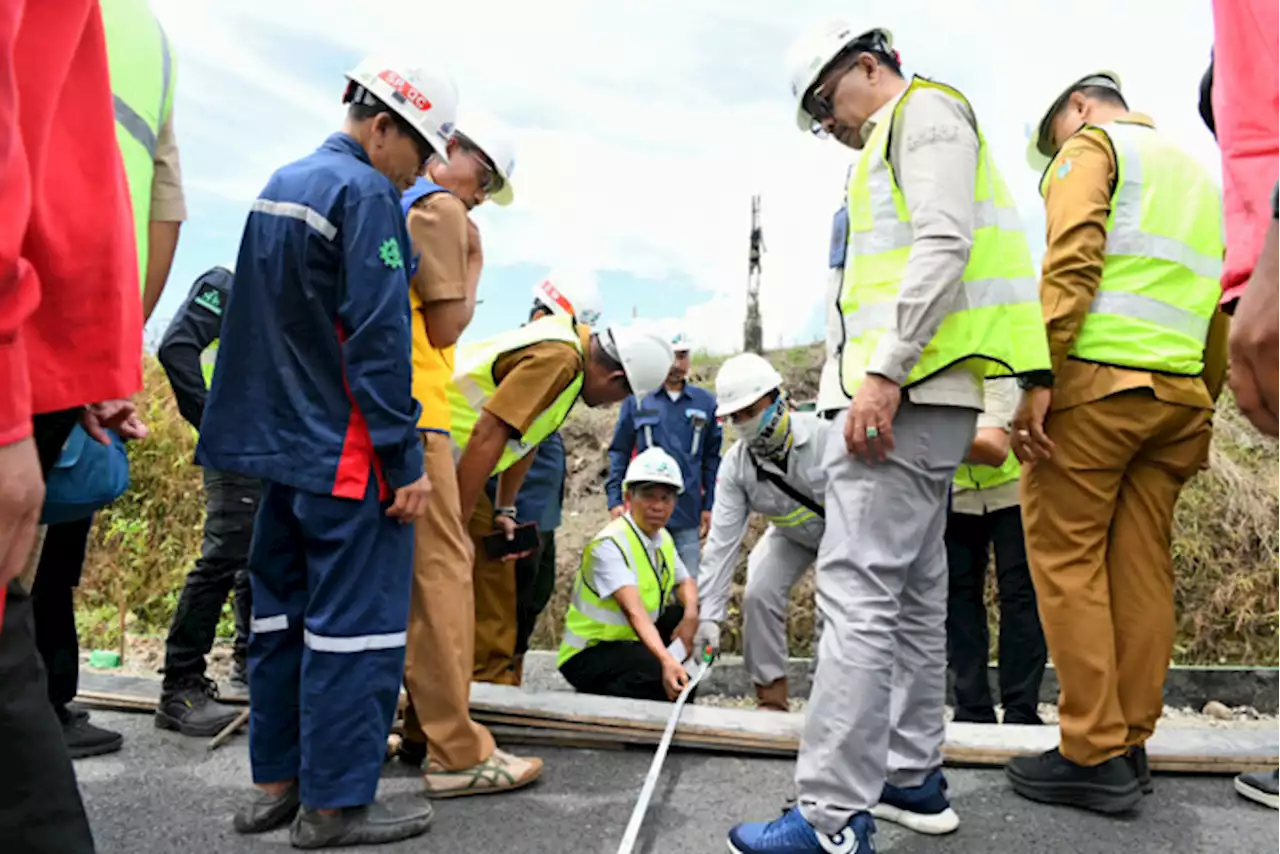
column 1260, row 787
column 375, row 824
column 267, row 812
column 1137, row 756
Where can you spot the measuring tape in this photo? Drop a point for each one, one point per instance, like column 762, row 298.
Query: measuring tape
column 655, row 768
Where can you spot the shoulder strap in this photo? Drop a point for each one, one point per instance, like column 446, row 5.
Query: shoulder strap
column 789, row 490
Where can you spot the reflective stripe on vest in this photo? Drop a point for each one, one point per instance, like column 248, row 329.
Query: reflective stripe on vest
column 141, row 67
column 473, row 384
column 972, row 476
column 591, row 619
column 795, row 518
column 997, row 325
column 1161, row 277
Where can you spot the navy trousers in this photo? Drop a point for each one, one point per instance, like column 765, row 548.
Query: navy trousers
column 331, row 582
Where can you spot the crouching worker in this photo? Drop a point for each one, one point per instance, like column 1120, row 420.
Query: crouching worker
column 619, row 626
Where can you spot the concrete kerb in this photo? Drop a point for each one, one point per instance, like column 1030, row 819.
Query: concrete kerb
column 1192, row 687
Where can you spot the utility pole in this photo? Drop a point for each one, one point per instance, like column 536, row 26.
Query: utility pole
column 753, row 332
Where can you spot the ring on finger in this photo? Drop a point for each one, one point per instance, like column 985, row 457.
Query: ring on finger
column 872, row 432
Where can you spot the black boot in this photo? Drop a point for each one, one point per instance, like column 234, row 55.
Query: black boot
column 412, row 753
column 239, row 674
column 375, row 824
column 191, row 708
column 1137, row 757
column 1051, row 778
column 83, row 738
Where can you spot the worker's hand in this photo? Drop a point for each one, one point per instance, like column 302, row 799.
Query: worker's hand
column 21, row 497
column 674, row 676
column 411, row 501
column 686, row 629
column 868, row 431
column 507, row 525
column 1030, row 442
column 704, row 526
column 119, row 415
column 616, row 511
column 708, row 635
column 1253, row 343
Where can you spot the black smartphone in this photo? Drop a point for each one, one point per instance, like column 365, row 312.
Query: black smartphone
column 497, row 546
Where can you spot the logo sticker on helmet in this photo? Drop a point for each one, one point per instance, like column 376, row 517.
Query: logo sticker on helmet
column 405, row 89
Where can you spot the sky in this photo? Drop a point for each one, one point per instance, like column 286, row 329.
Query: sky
column 643, row 129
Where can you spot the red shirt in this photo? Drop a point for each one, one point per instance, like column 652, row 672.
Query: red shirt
column 1245, row 105
column 70, row 311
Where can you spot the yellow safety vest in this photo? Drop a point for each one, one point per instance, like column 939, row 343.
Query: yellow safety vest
column 996, row 327
column 592, row 619
column 141, row 68
column 1161, row 277
column 473, row 384
column 975, row 476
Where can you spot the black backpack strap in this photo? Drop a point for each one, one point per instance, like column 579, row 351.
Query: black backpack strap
column 787, row 489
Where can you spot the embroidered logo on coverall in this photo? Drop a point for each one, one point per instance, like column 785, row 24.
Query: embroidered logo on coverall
column 389, row 252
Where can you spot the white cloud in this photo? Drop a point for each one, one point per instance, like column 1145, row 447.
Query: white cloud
column 645, row 128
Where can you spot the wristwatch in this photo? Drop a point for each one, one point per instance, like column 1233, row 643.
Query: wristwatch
column 1035, row 379
column 509, row 512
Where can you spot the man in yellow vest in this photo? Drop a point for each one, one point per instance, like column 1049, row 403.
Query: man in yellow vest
column 142, row 80
column 622, row 638
column 1130, row 288
column 477, row 166
column 188, row 700
column 938, row 293
column 985, row 516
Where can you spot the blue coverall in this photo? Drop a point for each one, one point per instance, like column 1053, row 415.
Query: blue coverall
column 311, row 393
column 687, row 429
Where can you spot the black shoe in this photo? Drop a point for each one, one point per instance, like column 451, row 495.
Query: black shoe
column 84, row 739
column 1137, row 758
column 1051, row 778
column 1261, row 787
column 1016, row 716
column 239, row 673
column 191, row 707
column 974, row 716
column 412, row 753
column 375, row 824
column 267, row 812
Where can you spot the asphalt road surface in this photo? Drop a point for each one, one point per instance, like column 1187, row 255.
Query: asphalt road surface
column 166, row 793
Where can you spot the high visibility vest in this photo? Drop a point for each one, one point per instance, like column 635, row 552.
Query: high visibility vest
column 996, row 326
column 473, row 384
column 141, row 68
column 208, row 359
column 975, row 476
column 591, row 619
column 1161, row 276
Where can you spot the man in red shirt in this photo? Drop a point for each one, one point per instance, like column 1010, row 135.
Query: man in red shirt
column 70, row 350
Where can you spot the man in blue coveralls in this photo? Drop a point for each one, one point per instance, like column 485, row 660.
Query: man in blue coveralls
column 311, row 394
column 680, row 419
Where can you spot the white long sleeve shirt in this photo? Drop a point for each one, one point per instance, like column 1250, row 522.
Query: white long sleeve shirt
column 742, row 491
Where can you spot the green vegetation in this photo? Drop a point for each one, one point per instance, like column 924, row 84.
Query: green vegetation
column 1225, row 540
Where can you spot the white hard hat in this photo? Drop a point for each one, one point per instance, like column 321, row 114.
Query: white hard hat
column 813, row 52
column 1037, row 142
column 654, row 465
column 426, row 99
column 499, row 145
column 645, row 353
column 742, row 380
column 680, row 341
column 570, row 292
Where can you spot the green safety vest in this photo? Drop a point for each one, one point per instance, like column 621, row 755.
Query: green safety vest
column 141, row 68
column 975, row 476
column 473, row 384
column 207, row 360
column 997, row 326
column 591, row 619
column 1161, row 277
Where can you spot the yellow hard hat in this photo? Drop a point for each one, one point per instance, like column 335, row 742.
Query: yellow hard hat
column 1038, row 153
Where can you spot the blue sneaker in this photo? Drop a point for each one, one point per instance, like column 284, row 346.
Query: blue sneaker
column 923, row 808
column 791, row 834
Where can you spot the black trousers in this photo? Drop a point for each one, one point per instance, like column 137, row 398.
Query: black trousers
column 40, row 807
column 231, row 502
column 53, row 595
column 535, row 584
column 624, row 668
column 1022, row 652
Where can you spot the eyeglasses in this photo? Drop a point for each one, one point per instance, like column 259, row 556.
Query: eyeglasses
column 655, row 492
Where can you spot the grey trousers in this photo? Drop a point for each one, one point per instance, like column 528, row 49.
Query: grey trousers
column 773, row 568
column 876, row 710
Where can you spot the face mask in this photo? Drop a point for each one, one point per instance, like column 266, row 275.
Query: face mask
column 769, row 433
